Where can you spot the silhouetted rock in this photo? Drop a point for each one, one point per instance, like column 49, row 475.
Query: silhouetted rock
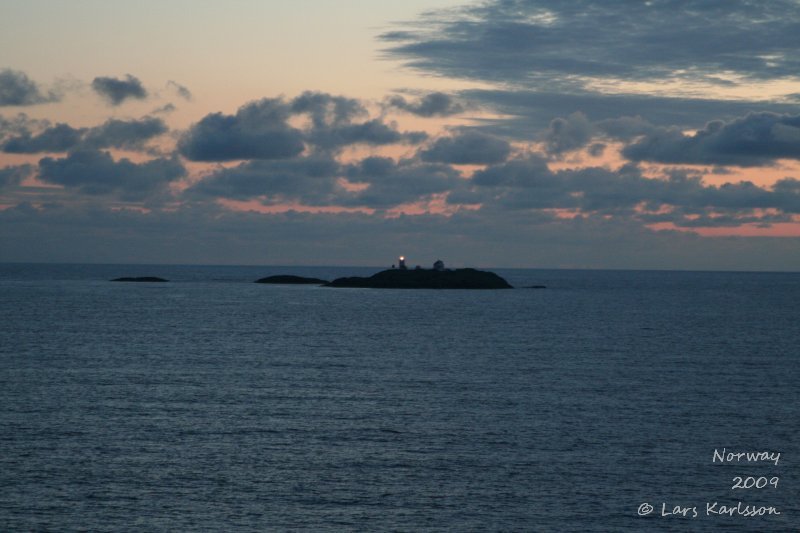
column 535, row 287
column 463, row 278
column 143, row 279
column 292, row 280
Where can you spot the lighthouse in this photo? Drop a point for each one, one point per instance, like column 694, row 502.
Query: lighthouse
column 401, row 264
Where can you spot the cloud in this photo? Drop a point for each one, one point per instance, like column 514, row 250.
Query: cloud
column 787, row 185
column 576, row 131
column 258, row 130
column 182, row 91
column 17, row 89
column 625, row 193
column 13, row 176
column 597, row 149
column 309, row 180
column 315, row 181
column 371, row 132
column 327, row 110
column 569, row 133
column 114, row 133
column 117, row 90
column 543, row 59
column 261, row 129
column 58, row 138
column 549, row 42
column 467, row 148
column 164, row 109
column 756, row 139
column 753, row 140
column 125, row 134
column 333, row 123
column 391, row 183
column 95, row 172
column 527, row 113
column 20, row 125
column 522, row 183
column 435, row 104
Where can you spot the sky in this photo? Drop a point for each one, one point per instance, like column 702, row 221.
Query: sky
column 501, row 133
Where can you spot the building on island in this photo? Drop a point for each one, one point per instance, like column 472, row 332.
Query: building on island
column 437, row 266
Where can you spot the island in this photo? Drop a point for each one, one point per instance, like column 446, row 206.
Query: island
column 292, row 280
column 143, row 279
column 400, row 278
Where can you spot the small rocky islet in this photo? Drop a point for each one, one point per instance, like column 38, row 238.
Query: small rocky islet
column 462, row 278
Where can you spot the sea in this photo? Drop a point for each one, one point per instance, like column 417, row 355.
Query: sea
column 609, row 401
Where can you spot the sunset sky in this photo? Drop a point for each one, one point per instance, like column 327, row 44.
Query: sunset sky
column 538, row 133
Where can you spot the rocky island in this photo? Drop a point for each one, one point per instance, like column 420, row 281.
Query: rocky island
column 292, row 280
column 436, row 278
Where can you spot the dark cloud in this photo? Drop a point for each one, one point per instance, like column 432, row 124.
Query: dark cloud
column 117, row 90
column 13, row 176
column 315, row 181
column 597, row 149
column 754, row 140
column 114, row 133
column 527, row 113
column 20, row 124
column 576, row 131
column 571, row 133
column 95, row 172
column 125, row 134
column 787, row 185
column 523, row 183
column 261, row 130
column 518, row 172
column 334, row 123
column 310, row 180
column 393, row 183
column 17, row 89
column 549, row 42
column 258, row 130
column 182, row 91
column 327, row 110
column 431, row 105
column 528, row 183
column 545, row 57
column 371, row 132
column 58, row 138
column 467, row 147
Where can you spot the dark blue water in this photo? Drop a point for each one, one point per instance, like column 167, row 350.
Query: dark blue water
column 212, row 403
